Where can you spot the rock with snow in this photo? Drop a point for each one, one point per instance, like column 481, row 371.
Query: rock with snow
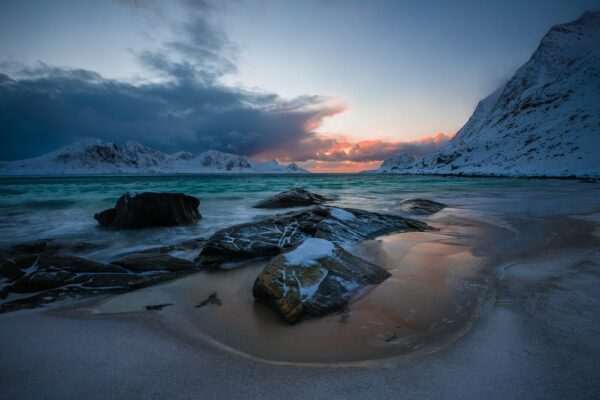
column 545, row 121
column 272, row 235
column 136, row 210
column 98, row 157
column 420, row 206
column 296, row 197
column 317, row 277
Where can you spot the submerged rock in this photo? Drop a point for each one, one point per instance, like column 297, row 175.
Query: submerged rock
column 292, row 198
column 144, row 209
column 420, row 206
column 317, row 277
column 272, row 235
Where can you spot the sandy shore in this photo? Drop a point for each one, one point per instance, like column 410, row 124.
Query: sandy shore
column 536, row 337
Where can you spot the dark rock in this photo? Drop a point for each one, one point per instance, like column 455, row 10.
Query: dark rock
column 274, row 234
column 143, row 262
column 74, row 264
column 211, row 299
column 145, row 209
column 106, row 217
column 158, row 307
column 292, row 198
column 184, row 246
column 43, row 280
column 65, row 246
column 9, row 269
column 420, row 206
column 27, row 248
column 318, row 277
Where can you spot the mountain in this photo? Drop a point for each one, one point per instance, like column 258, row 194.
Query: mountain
column 545, row 121
column 396, row 164
column 97, row 157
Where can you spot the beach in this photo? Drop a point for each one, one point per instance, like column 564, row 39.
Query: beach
column 501, row 301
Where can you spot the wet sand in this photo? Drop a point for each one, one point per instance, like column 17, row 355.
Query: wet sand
column 533, row 333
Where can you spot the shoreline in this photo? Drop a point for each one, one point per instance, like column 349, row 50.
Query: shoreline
column 534, row 337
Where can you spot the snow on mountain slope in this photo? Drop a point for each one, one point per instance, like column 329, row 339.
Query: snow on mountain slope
column 544, row 122
column 95, row 156
column 396, row 164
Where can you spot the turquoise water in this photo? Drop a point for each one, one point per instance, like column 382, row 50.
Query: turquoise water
column 49, row 207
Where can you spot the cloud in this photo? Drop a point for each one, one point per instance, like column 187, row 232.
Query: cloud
column 323, row 148
column 42, row 108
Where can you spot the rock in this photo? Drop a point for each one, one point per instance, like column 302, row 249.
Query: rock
column 211, row 299
column 271, row 235
column 42, row 269
column 74, row 264
column 138, row 210
column 420, row 206
column 292, row 198
column 157, row 307
column 27, row 248
column 186, row 246
column 124, row 281
column 144, row 262
column 318, row 277
column 9, row 270
column 42, row 280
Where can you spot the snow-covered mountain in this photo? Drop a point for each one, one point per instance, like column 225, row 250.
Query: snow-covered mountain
column 545, row 121
column 399, row 163
column 95, row 156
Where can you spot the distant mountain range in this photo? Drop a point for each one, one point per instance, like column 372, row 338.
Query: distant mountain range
column 97, row 157
column 545, row 121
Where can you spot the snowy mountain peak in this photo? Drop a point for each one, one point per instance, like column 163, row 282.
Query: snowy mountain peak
column 544, row 122
column 94, row 156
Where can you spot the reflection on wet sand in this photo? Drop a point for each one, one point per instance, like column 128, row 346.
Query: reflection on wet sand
column 434, row 291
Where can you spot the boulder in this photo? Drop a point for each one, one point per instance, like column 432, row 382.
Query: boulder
column 136, row 210
column 297, row 197
column 318, row 277
column 271, row 235
column 420, row 206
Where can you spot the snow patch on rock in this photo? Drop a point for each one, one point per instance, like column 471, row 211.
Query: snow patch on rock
column 310, row 251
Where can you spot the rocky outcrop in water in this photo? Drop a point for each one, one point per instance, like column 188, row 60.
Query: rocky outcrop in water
column 273, row 235
column 317, row 277
column 43, row 271
column 297, row 197
column 145, row 209
column 420, row 206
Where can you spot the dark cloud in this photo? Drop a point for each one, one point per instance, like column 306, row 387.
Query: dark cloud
column 42, row 108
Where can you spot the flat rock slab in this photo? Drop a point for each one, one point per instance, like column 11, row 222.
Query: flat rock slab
column 297, row 197
column 146, row 209
column 420, row 206
column 272, row 235
column 146, row 262
column 318, row 277
column 38, row 272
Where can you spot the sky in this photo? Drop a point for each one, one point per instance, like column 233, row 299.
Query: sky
column 336, row 86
